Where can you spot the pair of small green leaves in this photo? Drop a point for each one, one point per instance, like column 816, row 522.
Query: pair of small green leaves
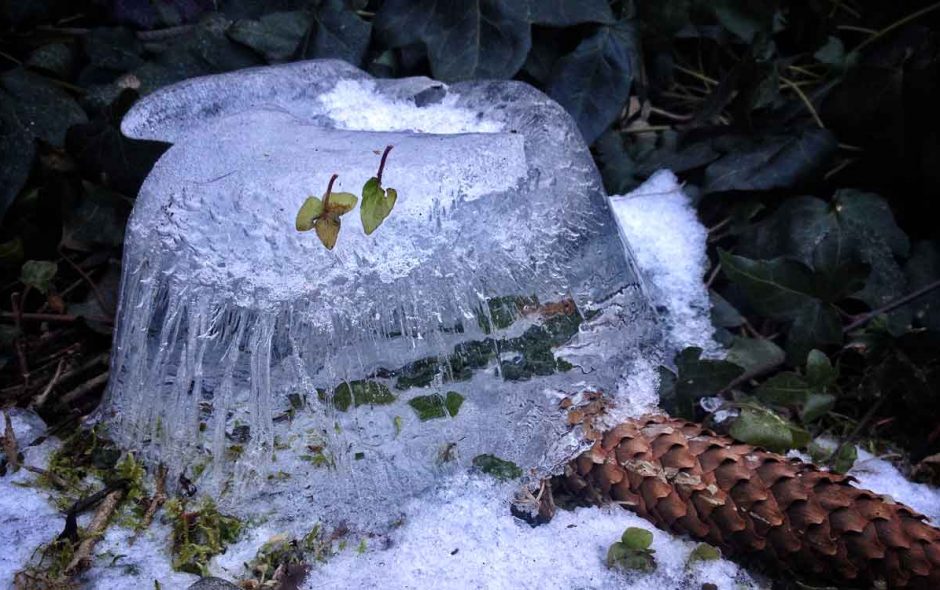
column 633, row 551
column 324, row 214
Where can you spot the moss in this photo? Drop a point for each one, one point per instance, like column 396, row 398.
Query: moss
column 361, row 393
column 199, row 535
column 420, row 373
column 429, row 407
column 498, row 468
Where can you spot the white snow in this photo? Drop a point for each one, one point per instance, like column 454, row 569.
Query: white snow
column 28, row 517
column 463, row 536
column 124, row 559
column 879, row 475
column 669, row 242
column 354, row 104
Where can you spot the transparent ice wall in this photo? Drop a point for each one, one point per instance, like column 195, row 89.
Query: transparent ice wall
column 260, row 364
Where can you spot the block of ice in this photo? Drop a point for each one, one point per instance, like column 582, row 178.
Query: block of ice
column 334, row 382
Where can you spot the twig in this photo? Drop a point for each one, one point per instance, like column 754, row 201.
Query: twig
column 164, row 34
column 10, row 447
column 41, row 399
column 55, row 480
column 159, row 497
column 898, row 23
column 82, row 558
column 863, row 319
column 85, row 387
column 16, row 301
column 805, row 99
column 94, row 287
column 50, row 317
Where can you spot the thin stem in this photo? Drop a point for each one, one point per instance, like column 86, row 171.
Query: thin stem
column 388, row 148
column 867, row 317
column 805, row 99
column 895, row 25
column 329, row 190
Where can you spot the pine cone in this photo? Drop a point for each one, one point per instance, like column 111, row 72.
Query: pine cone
column 754, row 504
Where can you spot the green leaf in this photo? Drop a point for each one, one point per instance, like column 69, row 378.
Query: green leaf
column 44, row 109
column 619, row 556
column 746, row 19
column 755, row 354
column 819, row 371
column 498, row 468
column 327, row 229
column 816, row 325
column 593, row 82
column 465, row 39
column 816, row 406
column 786, row 389
column 704, row 552
column 341, row 203
column 636, row 538
column 309, row 212
column 361, row 393
column 452, row 402
column 845, row 459
column 922, row 269
column 276, row 36
column 97, row 217
column 38, row 274
column 564, row 13
column 17, row 149
column 340, row 34
column 832, row 52
column 763, row 428
column 377, row 203
column 724, row 315
column 778, row 288
column 769, row 162
column 699, row 377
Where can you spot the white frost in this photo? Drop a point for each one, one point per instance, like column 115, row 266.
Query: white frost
column 669, row 243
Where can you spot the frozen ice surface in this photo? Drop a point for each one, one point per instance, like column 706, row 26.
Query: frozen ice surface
column 662, row 228
column 264, row 365
column 462, row 536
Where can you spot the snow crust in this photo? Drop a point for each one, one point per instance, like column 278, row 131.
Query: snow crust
column 462, row 537
column 662, row 228
column 355, row 104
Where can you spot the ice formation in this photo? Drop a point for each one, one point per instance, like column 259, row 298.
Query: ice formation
column 257, row 362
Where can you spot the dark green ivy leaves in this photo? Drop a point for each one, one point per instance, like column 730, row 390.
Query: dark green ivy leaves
column 593, row 82
column 464, row 38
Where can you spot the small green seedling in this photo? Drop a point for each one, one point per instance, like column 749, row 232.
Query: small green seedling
column 323, row 215
column 632, row 551
column 377, row 202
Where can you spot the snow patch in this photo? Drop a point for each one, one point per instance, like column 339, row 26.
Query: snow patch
column 664, row 233
column 462, row 536
column 354, row 104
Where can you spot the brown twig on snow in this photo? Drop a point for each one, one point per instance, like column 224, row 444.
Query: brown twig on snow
column 84, row 553
column 10, row 447
column 159, row 497
column 54, row 479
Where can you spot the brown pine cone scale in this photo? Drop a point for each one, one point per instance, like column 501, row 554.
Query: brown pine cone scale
column 751, row 503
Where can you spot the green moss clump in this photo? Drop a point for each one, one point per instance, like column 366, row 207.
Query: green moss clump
column 498, row 468
column 361, row 393
column 420, row 373
column 429, row 407
column 199, row 535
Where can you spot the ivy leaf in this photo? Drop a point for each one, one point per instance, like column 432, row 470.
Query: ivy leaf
column 817, row 324
column 38, row 274
column 636, row 538
column 465, row 39
column 763, row 428
column 377, row 203
column 327, row 229
column 698, row 377
column 778, row 288
column 340, row 33
column 769, row 162
column 276, row 36
column 816, row 406
column 819, row 371
column 564, row 13
column 785, row 389
column 308, row 214
column 755, row 355
column 44, row 109
column 593, row 82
